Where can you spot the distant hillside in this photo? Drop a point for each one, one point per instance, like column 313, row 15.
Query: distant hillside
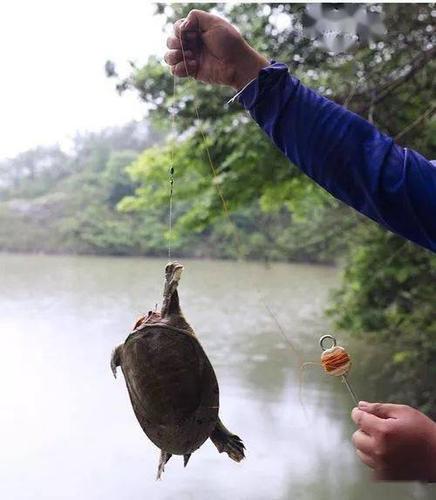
column 53, row 202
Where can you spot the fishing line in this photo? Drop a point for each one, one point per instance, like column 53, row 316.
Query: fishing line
column 282, row 332
column 171, row 170
column 214, row 171
column 211, row 164
column 170, row 215
column 329, row 360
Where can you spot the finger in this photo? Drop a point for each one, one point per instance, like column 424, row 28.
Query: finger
column 173, row 57
column 381, row 410
column 174, row 43
column 198, row 20
column 188, row 36
column 366, row 459
column 177, row 27
column 363, row 442
column 180, row 68
column 367, row 422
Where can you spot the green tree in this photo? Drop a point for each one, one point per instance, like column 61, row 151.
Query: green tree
column 390, row 82
column 374, row 80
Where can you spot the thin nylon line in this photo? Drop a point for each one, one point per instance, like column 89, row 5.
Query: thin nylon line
column 282, row 332
column 227, row 214
column 239, row 249
column 170, row 216
column 211, row 164
column 226, row 211
column 171, row 171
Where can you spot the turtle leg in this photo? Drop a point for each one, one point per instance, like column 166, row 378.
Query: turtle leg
column 186, row 459
column 116, row 359
column 225, row 441
column 164, row 457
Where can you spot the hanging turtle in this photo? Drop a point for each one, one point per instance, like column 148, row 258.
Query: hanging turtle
column 171, row 383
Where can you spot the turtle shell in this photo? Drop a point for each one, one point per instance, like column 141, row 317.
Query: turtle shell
column 172, row 386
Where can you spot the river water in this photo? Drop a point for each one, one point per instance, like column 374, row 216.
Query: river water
column 67, row 430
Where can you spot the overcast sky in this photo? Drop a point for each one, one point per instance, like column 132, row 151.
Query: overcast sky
column 52, row 55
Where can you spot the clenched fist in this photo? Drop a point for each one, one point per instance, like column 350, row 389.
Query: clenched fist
column 211, row 50
column 397, row 441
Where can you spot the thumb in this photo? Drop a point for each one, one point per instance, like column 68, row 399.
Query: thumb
column 381, row 410
column 197, row 20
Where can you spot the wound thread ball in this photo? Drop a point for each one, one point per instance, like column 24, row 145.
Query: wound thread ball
column 336, row 361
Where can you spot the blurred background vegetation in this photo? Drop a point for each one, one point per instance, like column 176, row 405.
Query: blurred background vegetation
column 109, row 195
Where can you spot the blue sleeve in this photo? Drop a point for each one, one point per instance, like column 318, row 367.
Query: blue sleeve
column 346, row 155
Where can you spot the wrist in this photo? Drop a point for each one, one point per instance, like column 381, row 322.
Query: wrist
column 432, row 477
column 248, row 69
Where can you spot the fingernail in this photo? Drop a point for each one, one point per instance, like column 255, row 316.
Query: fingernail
column 363, row 404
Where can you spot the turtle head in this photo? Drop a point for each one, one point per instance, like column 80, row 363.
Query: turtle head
column 173, row 272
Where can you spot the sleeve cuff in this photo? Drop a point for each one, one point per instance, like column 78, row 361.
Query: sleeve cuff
column 256, row 89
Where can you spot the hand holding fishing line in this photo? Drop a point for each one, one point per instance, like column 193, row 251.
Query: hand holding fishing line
column 214, row 51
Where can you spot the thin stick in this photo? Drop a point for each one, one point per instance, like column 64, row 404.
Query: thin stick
column 420, row 118
column 350, row 389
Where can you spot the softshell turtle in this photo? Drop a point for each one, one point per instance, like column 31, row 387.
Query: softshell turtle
column 171, row 383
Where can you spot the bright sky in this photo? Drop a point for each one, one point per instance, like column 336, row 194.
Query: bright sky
column 52, row 55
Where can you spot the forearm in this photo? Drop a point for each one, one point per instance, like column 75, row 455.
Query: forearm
column 346, row 155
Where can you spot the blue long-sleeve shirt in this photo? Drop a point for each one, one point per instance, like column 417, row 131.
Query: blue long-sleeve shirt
column 346, row 155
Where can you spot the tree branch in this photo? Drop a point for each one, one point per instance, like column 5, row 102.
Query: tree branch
column 418, row 63
column 420, row 118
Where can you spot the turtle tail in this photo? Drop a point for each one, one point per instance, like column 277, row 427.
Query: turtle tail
column 227, row 442
column 164, row 457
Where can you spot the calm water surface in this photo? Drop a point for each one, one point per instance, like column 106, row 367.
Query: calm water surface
column 67, row 430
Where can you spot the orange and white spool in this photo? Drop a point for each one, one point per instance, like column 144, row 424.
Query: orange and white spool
column 336, row 361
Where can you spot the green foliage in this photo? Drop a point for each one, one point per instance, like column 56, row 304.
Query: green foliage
column 250, row 172
column 53, row 202
column 387, row 296
column 386, row 293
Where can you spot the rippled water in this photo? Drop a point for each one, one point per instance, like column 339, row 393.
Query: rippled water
column 67, row 430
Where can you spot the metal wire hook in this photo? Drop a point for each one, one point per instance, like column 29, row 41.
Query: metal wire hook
column 324, row 338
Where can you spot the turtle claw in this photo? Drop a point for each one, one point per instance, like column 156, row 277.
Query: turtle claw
column 164, row 457
column 115, row 361
column 235, row 449
column 227, row 442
